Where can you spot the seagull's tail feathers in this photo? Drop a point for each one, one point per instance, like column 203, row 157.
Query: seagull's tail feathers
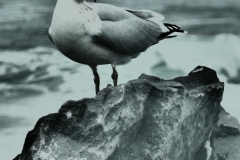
column 171, row 30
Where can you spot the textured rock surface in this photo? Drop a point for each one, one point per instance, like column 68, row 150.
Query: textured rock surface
column 147, row 118
column 225, row 139
column 224, row 143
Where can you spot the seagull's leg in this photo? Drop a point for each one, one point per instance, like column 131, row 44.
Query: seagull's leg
column 96, row 78
column 114, row 75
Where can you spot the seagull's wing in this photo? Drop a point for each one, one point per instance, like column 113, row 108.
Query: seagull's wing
column 168, row 30
column 127, row 32
column 148, row 15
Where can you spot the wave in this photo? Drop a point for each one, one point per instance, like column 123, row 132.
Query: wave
column 42, row 69
column 218, row 52
column 32, row 72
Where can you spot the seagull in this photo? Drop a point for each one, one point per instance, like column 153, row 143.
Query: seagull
column 98, row 34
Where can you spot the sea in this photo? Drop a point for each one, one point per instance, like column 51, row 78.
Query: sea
column 36, row 79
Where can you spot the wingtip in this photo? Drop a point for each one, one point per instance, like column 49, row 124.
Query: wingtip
column 178, row 33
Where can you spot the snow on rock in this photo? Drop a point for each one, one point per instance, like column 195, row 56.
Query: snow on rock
column 147, row 118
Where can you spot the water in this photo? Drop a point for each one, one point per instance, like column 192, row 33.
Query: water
column 36, row 79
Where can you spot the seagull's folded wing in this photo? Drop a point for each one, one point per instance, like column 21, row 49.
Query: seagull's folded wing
column 125, row 32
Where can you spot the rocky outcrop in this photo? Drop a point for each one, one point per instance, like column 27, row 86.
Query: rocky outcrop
column 225, row 139
column 224, row 142
column 147, row 118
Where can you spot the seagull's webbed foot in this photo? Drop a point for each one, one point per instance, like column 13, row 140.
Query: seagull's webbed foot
column 96, row 78
column 114, row 76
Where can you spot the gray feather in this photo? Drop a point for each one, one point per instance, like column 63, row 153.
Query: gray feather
column 124, row 32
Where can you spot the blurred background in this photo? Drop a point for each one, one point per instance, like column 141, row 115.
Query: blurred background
column 36, row 79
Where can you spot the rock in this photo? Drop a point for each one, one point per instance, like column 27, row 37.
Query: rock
column 144, row 119
column 225, row 139
column 224, row 142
